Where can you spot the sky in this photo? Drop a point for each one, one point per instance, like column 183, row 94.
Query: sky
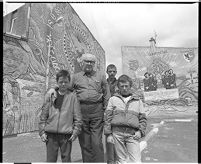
column 132, row 24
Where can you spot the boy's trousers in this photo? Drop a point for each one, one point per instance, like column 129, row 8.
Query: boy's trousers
column 56, row 141
column 127, row 149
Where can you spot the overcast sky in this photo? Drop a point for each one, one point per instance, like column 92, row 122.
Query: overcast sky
column 115, row 25
column 131, row 24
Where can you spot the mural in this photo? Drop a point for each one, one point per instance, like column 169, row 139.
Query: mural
column 40, row 39
column 164, row 76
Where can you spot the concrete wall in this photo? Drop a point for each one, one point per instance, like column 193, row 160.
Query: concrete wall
column 31, row 33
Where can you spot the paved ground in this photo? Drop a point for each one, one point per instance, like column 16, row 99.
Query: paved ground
column 175, row 142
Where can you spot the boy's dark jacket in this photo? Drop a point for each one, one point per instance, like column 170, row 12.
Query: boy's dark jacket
column 67, row 120
column 121, row 114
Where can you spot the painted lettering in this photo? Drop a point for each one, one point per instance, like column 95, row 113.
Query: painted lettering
column 53, row 16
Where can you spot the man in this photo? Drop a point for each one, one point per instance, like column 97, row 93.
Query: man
column 93, row 93
column 112, row 81
column 125, row 122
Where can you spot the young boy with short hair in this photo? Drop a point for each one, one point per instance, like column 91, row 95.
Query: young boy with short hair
column 125, row 122
column 60, row 121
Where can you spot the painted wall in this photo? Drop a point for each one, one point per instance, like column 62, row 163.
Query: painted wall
column 136, row 60
column 31, row 33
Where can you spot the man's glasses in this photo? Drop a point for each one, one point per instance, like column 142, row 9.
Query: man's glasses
column 89, row 62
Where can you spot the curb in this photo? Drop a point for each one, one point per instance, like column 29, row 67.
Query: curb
column 20, row 134
column 178, row 120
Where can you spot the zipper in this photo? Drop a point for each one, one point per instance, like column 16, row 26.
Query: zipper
column 58, row 122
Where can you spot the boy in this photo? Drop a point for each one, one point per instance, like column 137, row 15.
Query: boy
column 125, row 122
column 60, row 121
column 112, row 81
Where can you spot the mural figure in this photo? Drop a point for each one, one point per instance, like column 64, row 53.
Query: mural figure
column 150, row 82
column 146, row 82
column 166, row 80
column 153, row 82
column 172, row 77
column 11, row 107
column 169, row 79
column 15, row 65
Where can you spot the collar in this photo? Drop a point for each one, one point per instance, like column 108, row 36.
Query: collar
column 111, row 81
column 133, row 96
column 91, row 74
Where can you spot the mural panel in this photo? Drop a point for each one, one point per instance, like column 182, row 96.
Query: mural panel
column 53, row 38
column 165, row 77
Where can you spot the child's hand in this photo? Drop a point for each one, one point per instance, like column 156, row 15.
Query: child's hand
column 110, row 139
column 72, row 138
column 44, row 137
column 137, row 135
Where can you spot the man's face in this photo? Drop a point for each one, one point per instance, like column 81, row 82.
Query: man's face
column 88, row 66
column 111, row 72
column 124, row 88
column 63, row 84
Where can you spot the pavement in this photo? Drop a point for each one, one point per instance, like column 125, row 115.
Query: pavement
column 176, row 141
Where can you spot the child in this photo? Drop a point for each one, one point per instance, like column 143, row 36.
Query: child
column 112, row 81
column 60, row 121
column 125, row 122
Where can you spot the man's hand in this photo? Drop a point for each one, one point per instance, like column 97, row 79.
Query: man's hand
column 44, row 137
column 72, row 138
column 137, row 135
column 110, row 139
column 50, row 93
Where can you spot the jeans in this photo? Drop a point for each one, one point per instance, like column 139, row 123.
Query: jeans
column 56, row 141
column 127, row 149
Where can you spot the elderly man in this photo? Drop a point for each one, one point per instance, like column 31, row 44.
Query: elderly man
column 93, row 93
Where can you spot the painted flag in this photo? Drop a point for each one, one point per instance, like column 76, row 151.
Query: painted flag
column 189, row 55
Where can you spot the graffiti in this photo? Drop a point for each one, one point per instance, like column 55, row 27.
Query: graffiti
column 161, row 94
column 54, row 29
column 157, row 52
column 164, row 109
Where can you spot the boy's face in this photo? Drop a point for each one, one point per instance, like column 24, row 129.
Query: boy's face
column 63, row 84
column 124, row 88
column 111, row 72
